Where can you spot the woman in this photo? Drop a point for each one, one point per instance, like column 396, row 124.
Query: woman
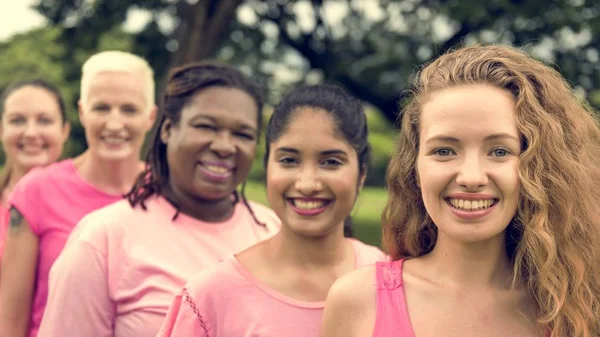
column 34, row 129
column 116, row 110
column 124, row 263
column 492, row 221
column 316, row 162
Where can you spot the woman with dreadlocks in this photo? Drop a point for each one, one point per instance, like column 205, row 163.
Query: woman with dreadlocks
column 124, row 263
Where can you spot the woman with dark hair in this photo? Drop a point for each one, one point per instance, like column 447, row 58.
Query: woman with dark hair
column 124, row 263
column 316, row 162
column 33, row 130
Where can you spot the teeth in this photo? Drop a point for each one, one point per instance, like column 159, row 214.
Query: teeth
column 308, row 204
column 113, row 140
column 471, row 204
column 216, row 169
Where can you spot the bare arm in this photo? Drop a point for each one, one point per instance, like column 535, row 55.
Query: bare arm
column 350, row 307
column 18, row 276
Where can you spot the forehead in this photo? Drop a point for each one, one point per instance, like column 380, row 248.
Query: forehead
column 30, row 99
column 469, row 111
column 312, row 129
column 223, row 104
column 111, row 87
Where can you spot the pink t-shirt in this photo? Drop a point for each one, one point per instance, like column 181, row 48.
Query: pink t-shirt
column 228, row 301
column 52, row 200
column 123, row 265
column 391, row 318
column 4, row 216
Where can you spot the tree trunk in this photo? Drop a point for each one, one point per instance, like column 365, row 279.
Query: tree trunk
column 202, row 28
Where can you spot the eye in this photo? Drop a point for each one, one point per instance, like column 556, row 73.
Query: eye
column 45, row 121
column 129, row 110
column 245, row 135
column 205, row 127
column 287, row 161
column 101, row 108
column 17, row 121
column 332, row 162
column 443, row 152
column 500, row 152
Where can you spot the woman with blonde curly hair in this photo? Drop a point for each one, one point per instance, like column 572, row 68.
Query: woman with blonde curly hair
column 492, row 221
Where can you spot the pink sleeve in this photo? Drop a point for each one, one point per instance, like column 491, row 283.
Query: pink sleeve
column 184, row 319
column 26, row 197
column 79, row 303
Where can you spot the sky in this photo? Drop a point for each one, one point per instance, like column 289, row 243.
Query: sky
column 16, row 16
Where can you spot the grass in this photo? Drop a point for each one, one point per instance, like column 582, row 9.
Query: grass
column 366, row 214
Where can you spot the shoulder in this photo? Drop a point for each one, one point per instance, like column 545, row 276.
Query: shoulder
column 96, row 225
column 350, row 303
column 265, row 215
column 367, row 254
column 39, row 177
column 214, row 282
column 354, row 289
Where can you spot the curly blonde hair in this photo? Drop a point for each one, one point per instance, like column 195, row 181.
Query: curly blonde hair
column 554, row 238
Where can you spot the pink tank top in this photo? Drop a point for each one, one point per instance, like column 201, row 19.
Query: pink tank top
column 391, row 317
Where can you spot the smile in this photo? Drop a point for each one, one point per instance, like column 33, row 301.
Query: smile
column 114, row 140
column 471, row 205
column 312, row 206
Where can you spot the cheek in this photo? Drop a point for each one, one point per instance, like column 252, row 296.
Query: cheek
column 53, row 135
column 11, row 136
column 277, row 183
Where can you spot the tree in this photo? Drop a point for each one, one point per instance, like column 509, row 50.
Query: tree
column 370, row 47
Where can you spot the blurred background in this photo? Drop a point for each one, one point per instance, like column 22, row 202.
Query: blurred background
column 371, row 47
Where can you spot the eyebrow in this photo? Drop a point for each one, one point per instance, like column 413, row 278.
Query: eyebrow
column 495, row 136
column 323, row 153
column 214, row 120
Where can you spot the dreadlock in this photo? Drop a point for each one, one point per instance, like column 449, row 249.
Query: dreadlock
column 185, row 82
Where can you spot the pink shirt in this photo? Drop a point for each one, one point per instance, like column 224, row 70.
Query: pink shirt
column 123, row 265
column 228, row 301
column 52, row 200
column 4, row 217
column 391, row 318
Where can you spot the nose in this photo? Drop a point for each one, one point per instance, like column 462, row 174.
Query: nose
column 222, row 144
column 308, row 183
column 114, row 121
column 472, row 173
column 31, row 129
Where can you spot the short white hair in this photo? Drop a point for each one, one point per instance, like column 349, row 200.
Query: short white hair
column 118, row 61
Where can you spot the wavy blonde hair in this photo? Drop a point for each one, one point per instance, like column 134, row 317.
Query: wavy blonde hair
column 554, row 238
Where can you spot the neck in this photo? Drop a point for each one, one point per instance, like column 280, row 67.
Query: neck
column 288, row 248
column 112, row 177
column 205, row 210
column 471, row 264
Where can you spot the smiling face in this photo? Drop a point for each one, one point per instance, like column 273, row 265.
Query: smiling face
column 115, row 115
column 467, row 166
column 33, row 132
column 211, row 149
column 312, row 175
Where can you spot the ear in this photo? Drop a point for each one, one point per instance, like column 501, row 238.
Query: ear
column 165, row 130
column 66, row 131
column 152, row 117
column 81, row 114
column 361, row 179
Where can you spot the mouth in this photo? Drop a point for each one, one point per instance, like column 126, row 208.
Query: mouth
column 311, row 207
column 471, row 205
column 217, row 172
column 113, row 140
column 32, row 149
